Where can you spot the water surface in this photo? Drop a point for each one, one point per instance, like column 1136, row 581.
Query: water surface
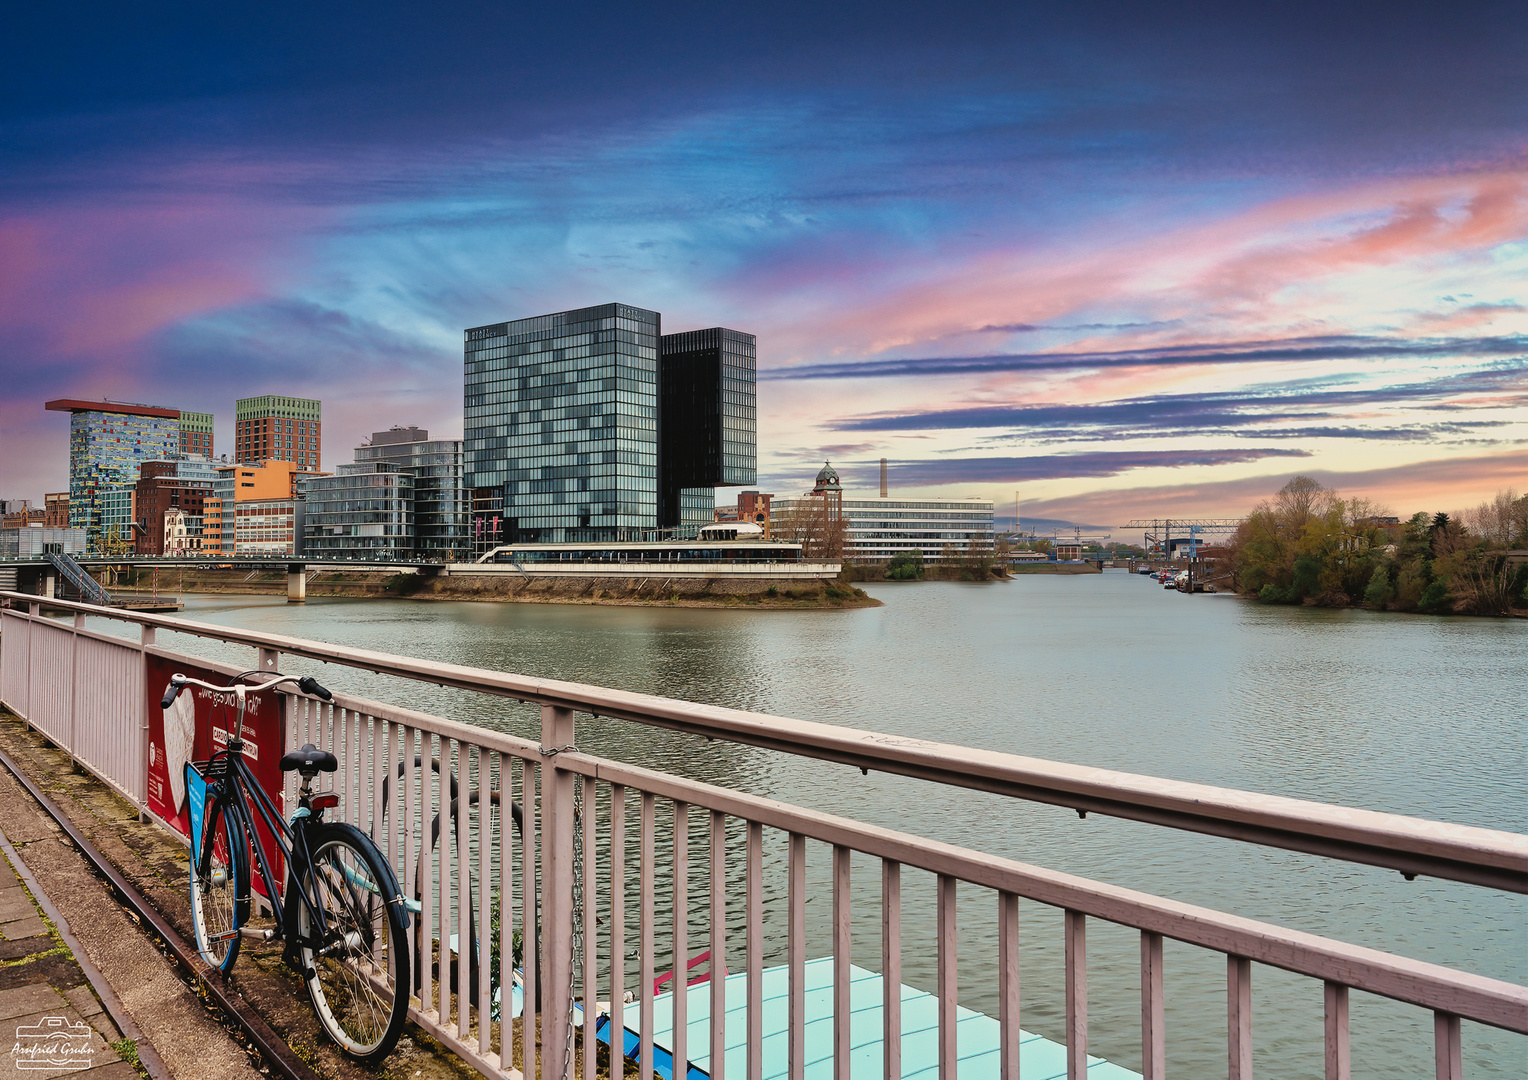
column 1410, row 714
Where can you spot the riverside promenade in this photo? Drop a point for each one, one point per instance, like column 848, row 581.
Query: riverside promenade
column 622, row 872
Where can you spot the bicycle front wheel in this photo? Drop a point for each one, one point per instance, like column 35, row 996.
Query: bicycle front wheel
column 359, row 959
column 220, row 886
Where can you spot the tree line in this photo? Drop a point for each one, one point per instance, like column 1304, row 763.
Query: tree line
column 1308, row 545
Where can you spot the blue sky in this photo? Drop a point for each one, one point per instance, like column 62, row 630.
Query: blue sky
column 1124, row 260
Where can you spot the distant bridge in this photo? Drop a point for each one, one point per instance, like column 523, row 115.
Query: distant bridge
column 1159, row 532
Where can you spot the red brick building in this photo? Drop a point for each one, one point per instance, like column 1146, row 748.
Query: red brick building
column 160, row 491
column 56, row 510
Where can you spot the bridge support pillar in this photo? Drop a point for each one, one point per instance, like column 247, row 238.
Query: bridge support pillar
column 297, row 584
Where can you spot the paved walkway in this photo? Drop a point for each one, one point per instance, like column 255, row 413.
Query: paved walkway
column 51, row 1020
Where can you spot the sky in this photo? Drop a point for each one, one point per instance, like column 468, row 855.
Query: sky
column 1114, row 260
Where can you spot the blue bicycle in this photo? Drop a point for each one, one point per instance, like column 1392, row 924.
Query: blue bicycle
column 342, row 915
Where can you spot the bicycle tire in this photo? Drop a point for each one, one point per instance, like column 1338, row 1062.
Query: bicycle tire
column 220, row 886
column 359, row 977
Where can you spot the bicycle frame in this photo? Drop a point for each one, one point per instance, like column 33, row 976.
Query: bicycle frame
column 240, row 790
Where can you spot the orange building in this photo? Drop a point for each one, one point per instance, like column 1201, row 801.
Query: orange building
column 268, row 481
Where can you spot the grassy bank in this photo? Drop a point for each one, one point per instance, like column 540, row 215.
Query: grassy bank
column 650, row 592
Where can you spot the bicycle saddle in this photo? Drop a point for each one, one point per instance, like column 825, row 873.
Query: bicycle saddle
column 310, row 759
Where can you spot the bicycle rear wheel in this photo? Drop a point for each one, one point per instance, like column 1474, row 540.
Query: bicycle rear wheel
column 220, row 886
column 359, row 977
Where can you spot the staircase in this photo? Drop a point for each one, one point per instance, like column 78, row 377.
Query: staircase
column 89, row 588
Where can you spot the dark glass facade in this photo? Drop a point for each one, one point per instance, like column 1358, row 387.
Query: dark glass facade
column 591, row 426
column 709, row 430
column 561, row 415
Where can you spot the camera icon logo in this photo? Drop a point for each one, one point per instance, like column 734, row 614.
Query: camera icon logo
column 52, row 1043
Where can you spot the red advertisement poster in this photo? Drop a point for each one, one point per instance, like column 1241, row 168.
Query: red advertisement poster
column 197, row 725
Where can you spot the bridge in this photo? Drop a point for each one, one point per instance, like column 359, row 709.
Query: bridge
column 42, row 572
column 610, row 899
column 1159, row 532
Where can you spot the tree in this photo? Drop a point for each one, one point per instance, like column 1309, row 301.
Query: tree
column 816, row 523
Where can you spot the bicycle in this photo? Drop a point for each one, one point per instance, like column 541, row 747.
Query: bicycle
column 342, row 916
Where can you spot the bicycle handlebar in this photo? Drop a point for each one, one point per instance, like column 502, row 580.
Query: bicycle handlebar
column 306, row 683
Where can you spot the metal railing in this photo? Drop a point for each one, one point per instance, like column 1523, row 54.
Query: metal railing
column 577, row 875
column 89, row 588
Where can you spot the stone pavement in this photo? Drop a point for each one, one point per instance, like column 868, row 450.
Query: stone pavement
column 51, row 1021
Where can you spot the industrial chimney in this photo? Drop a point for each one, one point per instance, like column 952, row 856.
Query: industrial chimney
column 883, row 478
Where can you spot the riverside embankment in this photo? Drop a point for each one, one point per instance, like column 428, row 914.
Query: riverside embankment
column 507, row 588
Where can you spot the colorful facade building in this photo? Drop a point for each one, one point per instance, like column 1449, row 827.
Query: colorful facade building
column 276, row 428
column 108, row 441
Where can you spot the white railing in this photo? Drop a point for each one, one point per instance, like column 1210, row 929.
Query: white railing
column 580, row 878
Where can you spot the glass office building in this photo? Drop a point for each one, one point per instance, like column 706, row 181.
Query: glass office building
column 592, row 426
column 709, row 422
column 561, row 424
column 366, row 511
column 441, row 512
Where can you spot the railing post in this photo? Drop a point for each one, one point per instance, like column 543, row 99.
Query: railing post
column 1448, row 1048
column 74, row 686
column 1076, row 933
column 145, row 639
column 1239, row 1016
column 268, row 660
column 557, row 894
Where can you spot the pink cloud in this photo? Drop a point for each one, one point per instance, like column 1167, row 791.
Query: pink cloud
column 85, row 281
column 1212, row 278
column 1441, row 484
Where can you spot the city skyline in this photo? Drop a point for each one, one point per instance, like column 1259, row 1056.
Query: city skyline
column 1124, row 262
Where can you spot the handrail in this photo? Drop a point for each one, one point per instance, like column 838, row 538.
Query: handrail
column 1410, row 845
column 75, row 574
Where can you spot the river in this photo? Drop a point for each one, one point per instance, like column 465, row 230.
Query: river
column 1410, row 714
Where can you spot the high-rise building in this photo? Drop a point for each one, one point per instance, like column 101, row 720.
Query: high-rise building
column 591, row 425
column 196, row 433
column 708, row 421
column 441, row 513
column 561, row 423
column 275, row 428
column 107, row 443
